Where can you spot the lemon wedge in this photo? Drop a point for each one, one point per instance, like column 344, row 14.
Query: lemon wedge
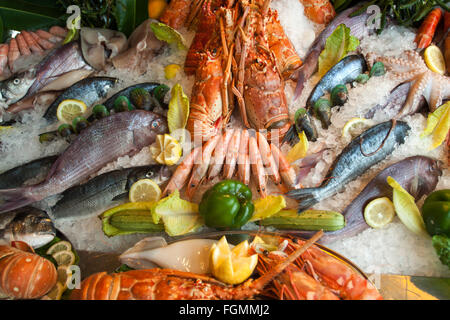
column 355, row 126
column 166, row 150
column 70, row 109
column 232, row 266
column 59, row 246
column 171, row 70
column 435, row 59
column 144, row 190
column 64, row 258
column 299, row 150
column 379, row 212
column 56, row 292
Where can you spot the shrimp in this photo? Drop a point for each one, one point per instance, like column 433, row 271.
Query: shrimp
column 428, row 28
column 286, row 170
column 257, row 167
column 231, row 156
column 219, row 154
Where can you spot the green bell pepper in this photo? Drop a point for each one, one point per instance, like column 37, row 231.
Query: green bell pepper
column 227, row 205
column 436, row 213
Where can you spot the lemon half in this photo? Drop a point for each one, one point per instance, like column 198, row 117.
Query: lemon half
column 145, row 190
column 355, row 126
column 379, row 212
column 70, row 109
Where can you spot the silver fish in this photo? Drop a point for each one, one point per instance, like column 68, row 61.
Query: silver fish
column 58, row 62
column 27, row 224
column 14, row 89
column 120, row 134
column 369, row 148
column 358, row 29
column 102, row 191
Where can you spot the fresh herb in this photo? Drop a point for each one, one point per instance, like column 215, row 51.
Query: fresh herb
column 123, row 268
column 407, row 12
column 442, row 246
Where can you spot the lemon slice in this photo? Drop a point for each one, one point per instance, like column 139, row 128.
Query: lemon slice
column 434, row 59
column 166, row 150
column 70, row 109
column 355, row 126
column 145, row 190
column 64, row 275
column 171, row 71
column 59, row 246
column 299, row 150
column 442, row 128
column 56, row 292
column 64, row 258
column 232, row 266
column 379, row 212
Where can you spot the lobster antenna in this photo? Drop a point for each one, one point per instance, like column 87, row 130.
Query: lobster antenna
column 261, row 282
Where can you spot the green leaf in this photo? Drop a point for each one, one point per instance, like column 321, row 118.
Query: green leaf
column 25, row 15
column 337, row 46
column 125, row 13
column 165, row 33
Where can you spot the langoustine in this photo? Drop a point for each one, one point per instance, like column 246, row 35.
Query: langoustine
column 168, row 284
column 237, row 153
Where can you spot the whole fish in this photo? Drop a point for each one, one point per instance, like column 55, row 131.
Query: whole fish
column 27, row 224
column 120, row 134
column 58, row 62
column 395, row 101
column 345, row 71
column 358, row 29
column 418, row 175
column 89, row 90
column 101, row 191
column 17, row 176
column 366, row 150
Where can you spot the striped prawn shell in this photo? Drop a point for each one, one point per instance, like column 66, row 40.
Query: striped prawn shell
column 25, row 275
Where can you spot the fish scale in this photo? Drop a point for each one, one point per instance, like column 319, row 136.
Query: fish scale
column 366, row 150
column 107, row 139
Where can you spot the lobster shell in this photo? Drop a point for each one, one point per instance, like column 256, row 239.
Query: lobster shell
column 25, row 275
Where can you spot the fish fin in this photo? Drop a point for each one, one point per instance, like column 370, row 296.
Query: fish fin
column 121, row 197
column 11, row 199
column 305, row 197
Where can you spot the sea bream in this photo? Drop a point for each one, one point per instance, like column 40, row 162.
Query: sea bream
column 27, row 224
column 366, row 150
column 120, row 134
column 104, row 190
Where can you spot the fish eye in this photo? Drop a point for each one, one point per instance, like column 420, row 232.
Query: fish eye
column 149, row 174
column 155, row 124
column 16, row 81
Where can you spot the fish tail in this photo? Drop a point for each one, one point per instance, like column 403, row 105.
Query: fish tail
column 11, row 199
column 306, row 198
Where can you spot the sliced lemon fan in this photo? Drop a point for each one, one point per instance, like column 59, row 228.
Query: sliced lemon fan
column 232, row 266
column 59, row 246
column 70, row 109
column 299, row 150
column 166, row 150
column 56, row 292
column 145, row 190
column 355, row 126
column 64, row 258
column 435, row 59
column 379, row 212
